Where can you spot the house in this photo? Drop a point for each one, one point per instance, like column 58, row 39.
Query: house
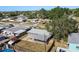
column 71, row 16
column 21, row 18
column 4, row 19
column 10, row 31
column 38, row 34
column 73, row 44
column 73, row 38
column 74, row 18
column 12, row 19
column 73, row 41
column 3, row 26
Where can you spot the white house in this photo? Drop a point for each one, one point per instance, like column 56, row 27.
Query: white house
column 4, row 20
column 38, row 34
column 4, row 26
column 21, row 18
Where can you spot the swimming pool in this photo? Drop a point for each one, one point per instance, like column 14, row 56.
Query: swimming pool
column 7, row 50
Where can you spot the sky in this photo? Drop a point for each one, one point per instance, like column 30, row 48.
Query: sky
column 29, row 8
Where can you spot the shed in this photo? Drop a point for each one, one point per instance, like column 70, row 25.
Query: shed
column 38, row 34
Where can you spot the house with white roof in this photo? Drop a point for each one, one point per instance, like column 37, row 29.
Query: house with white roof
column 21, row 18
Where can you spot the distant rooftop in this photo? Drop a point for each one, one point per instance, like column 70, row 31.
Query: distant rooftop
column 14, row 29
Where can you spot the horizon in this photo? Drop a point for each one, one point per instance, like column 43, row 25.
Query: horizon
column 30, row 8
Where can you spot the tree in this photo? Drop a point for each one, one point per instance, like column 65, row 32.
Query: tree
column 76, row 12
column 61, row 27
column 59, row 12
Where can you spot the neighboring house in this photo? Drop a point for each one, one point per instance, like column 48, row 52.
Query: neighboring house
column 73, row 41
column 77, row 19
column 10, row 31
column 38, row 34
column 4, row 19
column 71, row 16
column 21, row 18
column 73, row 44
column 12, row 19
column 73, row 38
column 74, row 18
column 3, row 26
column 34, row 21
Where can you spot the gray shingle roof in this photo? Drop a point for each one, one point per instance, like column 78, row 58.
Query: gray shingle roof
column 39, row 31
column 73, row 38
column 14, row 29
column 39, row 34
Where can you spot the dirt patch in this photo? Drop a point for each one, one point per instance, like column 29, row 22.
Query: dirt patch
column 60, row 43
column 32, row 46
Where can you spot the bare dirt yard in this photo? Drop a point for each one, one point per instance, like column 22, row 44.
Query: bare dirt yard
column 60, row 43
column 29, row 46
